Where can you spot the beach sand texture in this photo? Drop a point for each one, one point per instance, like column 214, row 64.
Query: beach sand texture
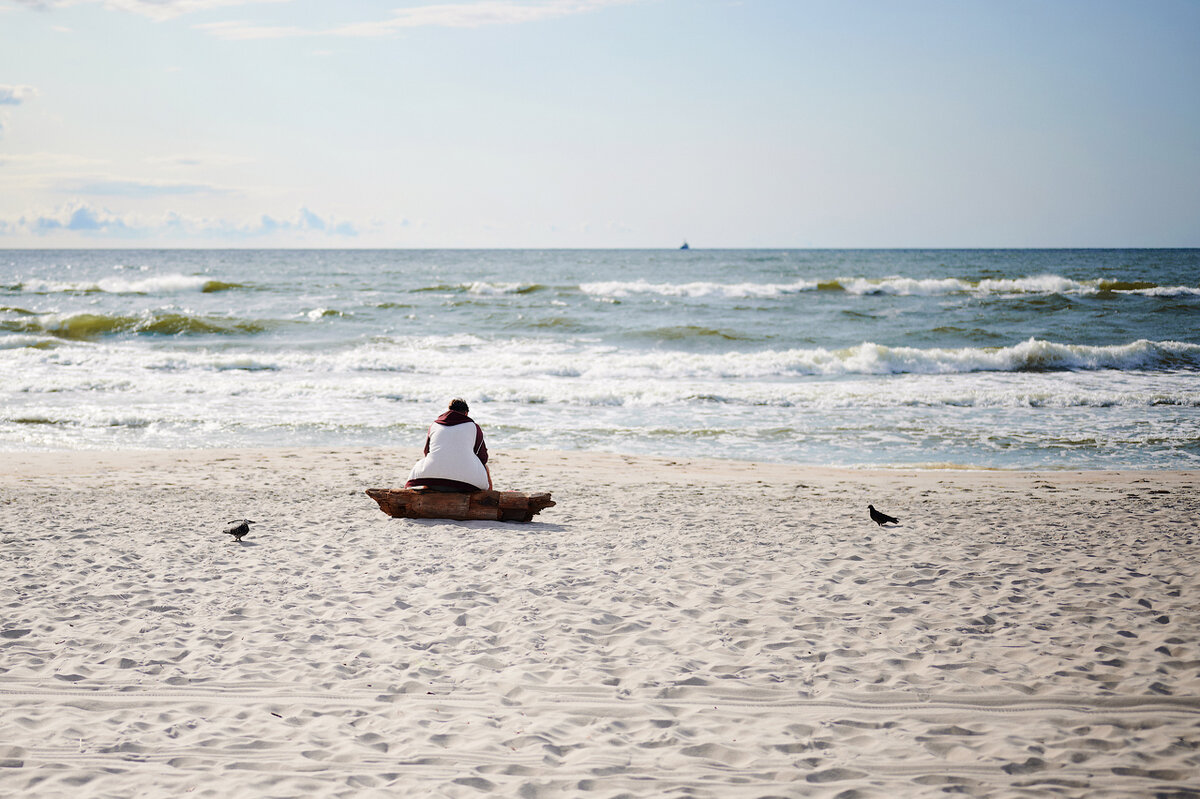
column 683, row 628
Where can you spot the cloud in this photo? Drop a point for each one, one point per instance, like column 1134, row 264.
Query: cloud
column 157, row 10
column 249, row 30
column 306, row 220
column 197, row 160
column 15, row 95
column 475, row 15
column 116, row 187
column 84, row 219
column 443, row 15
column 78, row 218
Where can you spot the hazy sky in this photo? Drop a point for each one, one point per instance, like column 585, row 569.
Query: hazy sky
column 599, row 123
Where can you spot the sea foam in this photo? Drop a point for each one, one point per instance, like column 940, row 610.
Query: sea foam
column 115, row 285
column 625, row 288
column 895, row 286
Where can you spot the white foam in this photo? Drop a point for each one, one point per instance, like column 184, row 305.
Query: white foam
column 116, row 394
column 625, row 288
column 465, row 354
column 116, row 285
column 1037, row 284
column 1164, row 291
column 904, row 286
column 529, row 371
column 895, row 286
column 20, row 341
column 491, row 289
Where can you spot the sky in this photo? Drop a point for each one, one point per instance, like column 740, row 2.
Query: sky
column 599, row 123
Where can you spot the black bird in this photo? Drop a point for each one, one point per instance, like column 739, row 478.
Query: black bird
column 239, row 528
column 880, row 518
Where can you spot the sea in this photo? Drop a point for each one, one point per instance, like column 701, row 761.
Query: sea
column 995, row 359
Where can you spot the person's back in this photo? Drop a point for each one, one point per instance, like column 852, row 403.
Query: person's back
column 455, row 454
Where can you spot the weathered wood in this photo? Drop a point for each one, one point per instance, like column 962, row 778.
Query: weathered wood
column 504, row 506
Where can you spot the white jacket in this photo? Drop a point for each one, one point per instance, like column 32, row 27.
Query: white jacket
column 452, row 456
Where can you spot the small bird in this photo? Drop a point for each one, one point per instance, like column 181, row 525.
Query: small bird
column 880, row 518
column 239, row 528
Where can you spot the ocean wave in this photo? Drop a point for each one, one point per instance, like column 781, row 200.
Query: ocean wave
column 503, row 361
column 900, row 286
column 92, row 326
column 894, row 286
column 688, row 333
column 317, row 314
column 1163, row 291
column 333, row 393
column 158, row 284
column 22, row 341
column 602, row 363
column 626, row 288
column 1033, row 355
column 481, row 287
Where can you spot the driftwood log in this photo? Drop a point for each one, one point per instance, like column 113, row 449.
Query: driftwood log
column 504, row 506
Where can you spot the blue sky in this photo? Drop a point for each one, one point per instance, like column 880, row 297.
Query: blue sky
column 599, row 123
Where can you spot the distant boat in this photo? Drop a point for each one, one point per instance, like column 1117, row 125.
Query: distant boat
column 685, row 246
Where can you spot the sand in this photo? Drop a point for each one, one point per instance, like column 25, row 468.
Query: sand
column 670, row 628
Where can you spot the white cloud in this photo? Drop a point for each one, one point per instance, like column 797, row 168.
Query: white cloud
column 157, row 10
column 15, row 95
column 124, row 187
column 46, row 161
column 475, row 15
column 83, row 219
column 197, row 160
column 445, row 15
column 249, row 30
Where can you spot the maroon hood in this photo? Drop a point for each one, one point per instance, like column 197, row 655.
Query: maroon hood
column 451, row 418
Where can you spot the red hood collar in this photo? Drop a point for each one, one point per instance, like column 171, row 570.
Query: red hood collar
column 451, row 418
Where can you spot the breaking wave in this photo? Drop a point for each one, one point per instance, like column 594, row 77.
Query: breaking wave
column 896, row 286
column 481, row 288
column 158, row 284
column 618, row 288
column 521, row 359
column 1033, row 355
column 459, row 356
column 90, row 326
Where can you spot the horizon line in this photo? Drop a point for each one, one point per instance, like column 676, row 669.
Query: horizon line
column 627, row 249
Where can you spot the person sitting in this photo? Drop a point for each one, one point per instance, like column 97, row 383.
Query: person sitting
column 455, row 455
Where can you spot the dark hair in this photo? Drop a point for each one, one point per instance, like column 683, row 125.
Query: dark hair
column 459, row 405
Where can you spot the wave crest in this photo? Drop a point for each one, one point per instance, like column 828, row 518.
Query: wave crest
column 520, row 359
column 619, row 288
column 895, row 286
column 157, row 284
column 1033, row 355
column 89, row 326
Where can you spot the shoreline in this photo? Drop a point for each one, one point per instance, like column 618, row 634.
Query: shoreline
column 67, row 461
column 715, row 628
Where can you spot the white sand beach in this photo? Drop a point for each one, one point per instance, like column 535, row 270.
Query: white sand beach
column 682, row 628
